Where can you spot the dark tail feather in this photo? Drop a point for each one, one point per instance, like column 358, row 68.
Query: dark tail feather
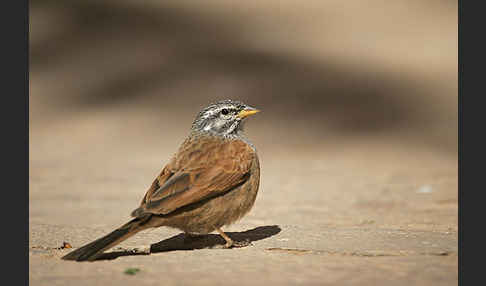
column 93, row 250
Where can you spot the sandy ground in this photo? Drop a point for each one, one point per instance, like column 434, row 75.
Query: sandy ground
column 361, row 212
column 357, row 144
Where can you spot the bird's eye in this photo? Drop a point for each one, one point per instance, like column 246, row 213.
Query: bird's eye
column 224, row 111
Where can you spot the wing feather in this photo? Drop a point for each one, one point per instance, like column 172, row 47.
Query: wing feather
column 193, row 175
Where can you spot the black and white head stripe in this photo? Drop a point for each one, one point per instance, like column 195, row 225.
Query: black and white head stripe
column 220, row 117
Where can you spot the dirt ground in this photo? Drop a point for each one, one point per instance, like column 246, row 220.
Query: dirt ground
column 358, row 161
column 357, row 212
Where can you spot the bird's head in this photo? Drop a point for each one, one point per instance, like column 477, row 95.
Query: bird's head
column 223, row 117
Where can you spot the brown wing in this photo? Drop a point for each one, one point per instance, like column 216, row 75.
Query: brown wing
column 201, row 169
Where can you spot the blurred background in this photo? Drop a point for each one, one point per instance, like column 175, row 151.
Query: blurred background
column 351, row 91
column 357, row 137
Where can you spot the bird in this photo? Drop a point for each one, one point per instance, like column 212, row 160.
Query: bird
column 210, row 182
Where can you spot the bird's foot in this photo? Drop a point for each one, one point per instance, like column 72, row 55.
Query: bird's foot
column 237, row 244
column 231, row 243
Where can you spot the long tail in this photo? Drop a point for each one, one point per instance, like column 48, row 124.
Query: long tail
column 93, row 250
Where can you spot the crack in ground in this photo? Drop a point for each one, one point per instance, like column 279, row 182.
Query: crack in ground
column 370, row 253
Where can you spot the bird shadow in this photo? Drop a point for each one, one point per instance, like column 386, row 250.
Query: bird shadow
column 185, row 242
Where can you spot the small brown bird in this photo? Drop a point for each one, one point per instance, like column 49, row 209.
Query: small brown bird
column 210, row 182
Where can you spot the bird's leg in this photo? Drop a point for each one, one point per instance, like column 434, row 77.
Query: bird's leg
column 230, row 243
